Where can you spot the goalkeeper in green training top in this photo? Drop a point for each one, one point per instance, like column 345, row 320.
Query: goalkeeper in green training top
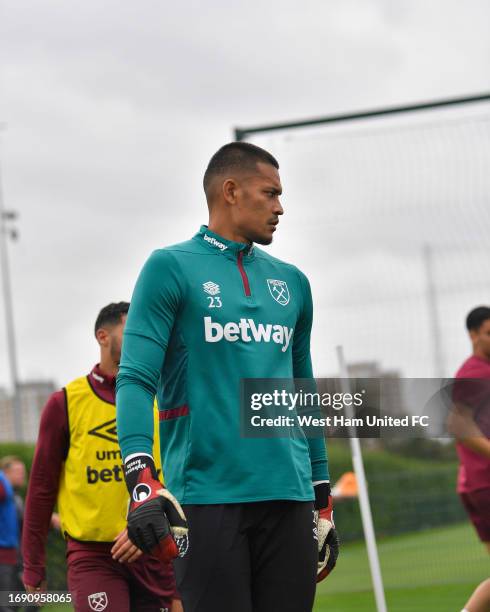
column 249, row 521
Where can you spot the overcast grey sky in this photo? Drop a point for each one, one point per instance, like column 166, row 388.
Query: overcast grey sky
column 114, row 108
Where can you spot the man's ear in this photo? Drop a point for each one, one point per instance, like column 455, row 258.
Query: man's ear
column 230, row 188
column 102, row 336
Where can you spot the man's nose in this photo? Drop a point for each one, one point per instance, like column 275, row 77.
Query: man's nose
column 278, row 209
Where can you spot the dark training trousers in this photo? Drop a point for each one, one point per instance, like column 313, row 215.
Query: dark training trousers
column 250, row 557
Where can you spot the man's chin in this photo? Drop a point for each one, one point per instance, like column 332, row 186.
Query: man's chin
column 263, row 240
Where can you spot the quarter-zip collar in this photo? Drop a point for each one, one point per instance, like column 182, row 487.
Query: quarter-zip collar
column 218, row 244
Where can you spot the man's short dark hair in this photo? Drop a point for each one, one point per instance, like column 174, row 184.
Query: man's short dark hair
column 476, row 317
column 111, row 315
column 234, row 156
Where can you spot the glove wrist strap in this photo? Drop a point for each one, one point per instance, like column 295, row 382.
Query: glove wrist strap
column 133, row 467
column 322, row 493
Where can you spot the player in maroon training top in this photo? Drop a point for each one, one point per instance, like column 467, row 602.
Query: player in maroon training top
column 471, row 427
column 77, row 463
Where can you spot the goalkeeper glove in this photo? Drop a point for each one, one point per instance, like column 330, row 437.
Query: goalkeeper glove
column 156, row 521
column 328, row 540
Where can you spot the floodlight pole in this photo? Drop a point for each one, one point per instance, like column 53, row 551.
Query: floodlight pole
column 366, row 515
column 435, row 330
column 9, row 315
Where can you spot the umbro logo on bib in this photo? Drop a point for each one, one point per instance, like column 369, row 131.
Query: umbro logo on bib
column 106, row 431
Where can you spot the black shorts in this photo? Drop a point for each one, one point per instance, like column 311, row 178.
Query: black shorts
column 250, row 557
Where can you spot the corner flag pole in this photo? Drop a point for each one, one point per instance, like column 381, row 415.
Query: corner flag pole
column 367, row 518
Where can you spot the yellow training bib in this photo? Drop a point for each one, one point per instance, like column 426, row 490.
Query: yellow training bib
column 92, row 497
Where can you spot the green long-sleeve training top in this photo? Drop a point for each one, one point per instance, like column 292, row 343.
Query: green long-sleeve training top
column 205, row 314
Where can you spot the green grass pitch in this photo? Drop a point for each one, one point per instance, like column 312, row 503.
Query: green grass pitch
column 432, row 570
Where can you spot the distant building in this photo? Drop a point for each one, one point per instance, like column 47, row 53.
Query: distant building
column 32, row 398
column 392, row 397
column 6, row 417
column 383, row 393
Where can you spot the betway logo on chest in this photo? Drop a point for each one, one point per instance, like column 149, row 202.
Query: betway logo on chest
column 214, row 242
column 247, row 330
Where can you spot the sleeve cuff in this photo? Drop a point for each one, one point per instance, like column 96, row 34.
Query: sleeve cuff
column 33, row 577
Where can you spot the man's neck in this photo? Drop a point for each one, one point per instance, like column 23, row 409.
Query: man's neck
column 225, row 231
column 108, row 368
column 480, row 354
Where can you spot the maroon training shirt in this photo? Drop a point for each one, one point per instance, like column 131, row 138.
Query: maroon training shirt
column 474, row 469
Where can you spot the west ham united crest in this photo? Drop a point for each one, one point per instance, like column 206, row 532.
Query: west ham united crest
column 98, row 601
column 279, row 291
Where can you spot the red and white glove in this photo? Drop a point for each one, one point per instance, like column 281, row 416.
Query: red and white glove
column 328, row 539
column 156, row 521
